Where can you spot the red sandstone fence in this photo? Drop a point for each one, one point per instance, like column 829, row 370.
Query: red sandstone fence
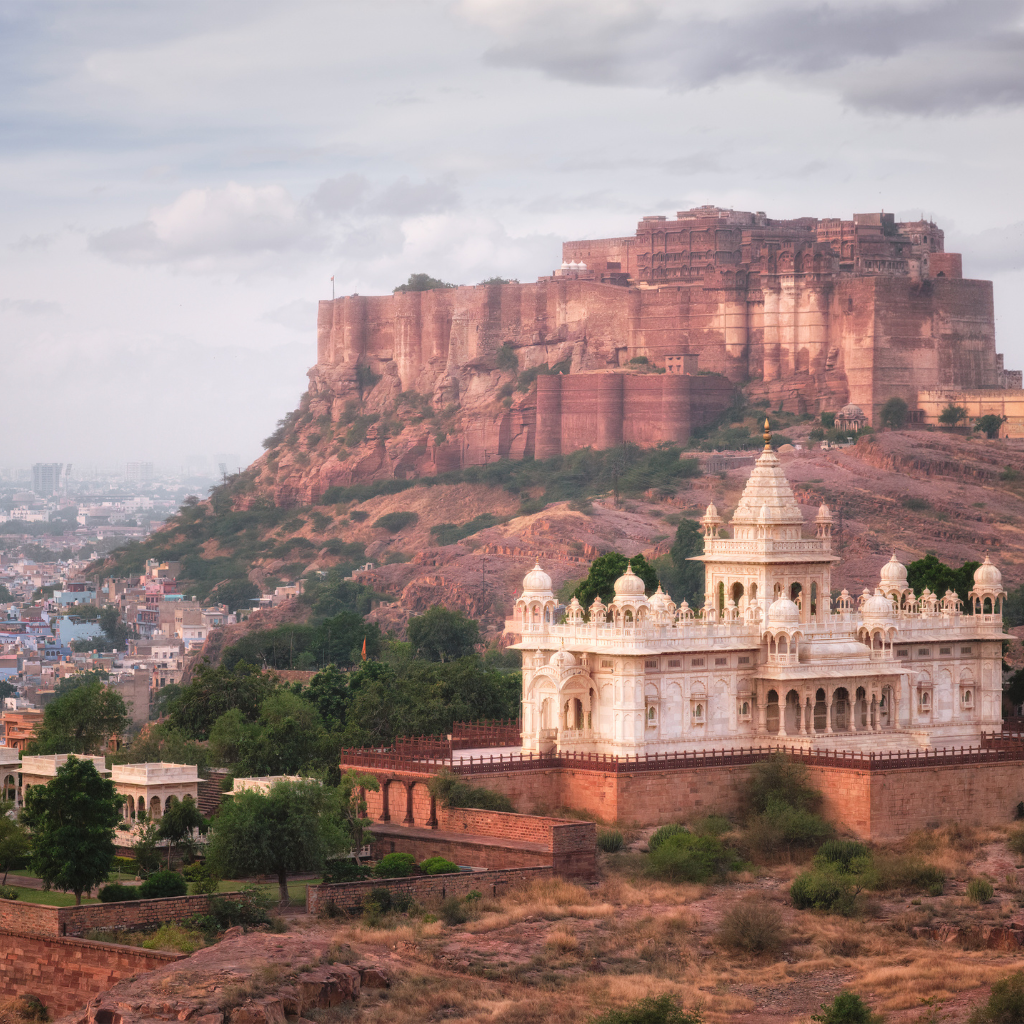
column 996, row 748
column 464, row 736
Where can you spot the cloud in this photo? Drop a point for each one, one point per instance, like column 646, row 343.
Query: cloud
column 892, row 56
column 30, row 307
column 991, row 251
column 405, row 199
column 339, row 194
column 296, row 316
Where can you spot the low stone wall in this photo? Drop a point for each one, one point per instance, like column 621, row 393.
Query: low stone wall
column 133, row 915
column 350, row 895
column 63, row 973
column 483, row 853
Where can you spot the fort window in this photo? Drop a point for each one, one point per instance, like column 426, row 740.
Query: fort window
column 674, row 662
column 651, row 663
column 698, row 711
column 945, row 650
column 967, row 698
column 697, row 662
column 903, row 654
column 744, row 659
column 924, row 652
column 606, row 663
column 965, row 650
column 721, row 661
column 737, row 592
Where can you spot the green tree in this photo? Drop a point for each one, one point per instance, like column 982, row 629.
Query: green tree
column 69, row 683
column 652, row 1010
column 352, row 809
column 72, row 822
column 5, row 595
column 422, row 283
column 216, row 690
column 606, row 569
column 294, row 827
column 289, row 736
column 938, row 577
column 15, row 844
column 894, row 414
column 236, row 594
column 147, row 834
column 81, row 722
column 990, row 425
column 7, row 689
column 181, row 820
column 442, row 634
column 328, row 692
column 684, row 580
column 952, row 415
column 376, row 712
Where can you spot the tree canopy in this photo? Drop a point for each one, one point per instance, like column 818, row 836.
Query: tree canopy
column 952, row 415
column 180, row 820
column 295, row 826
column 15, row 844
column 442, row 634
column 683, row 579
column 606, row 569
column 214, row 691
column 72, row 821
column 938, row 577
column 422, row 283
column 81, row 721
column 990, row 424
column 894, row 414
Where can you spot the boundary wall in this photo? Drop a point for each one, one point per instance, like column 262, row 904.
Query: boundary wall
column 350, row 895
column 132, row 915
column 64, row 974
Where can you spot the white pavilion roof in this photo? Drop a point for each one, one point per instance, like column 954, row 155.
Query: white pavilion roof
column 767, row 487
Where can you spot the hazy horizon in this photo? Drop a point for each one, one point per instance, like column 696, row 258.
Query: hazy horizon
column 183, row 180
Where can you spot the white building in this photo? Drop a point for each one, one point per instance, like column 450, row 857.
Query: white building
column 153, row 787
column 768, row 658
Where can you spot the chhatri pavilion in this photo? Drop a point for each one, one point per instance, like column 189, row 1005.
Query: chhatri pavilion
column 770, row 658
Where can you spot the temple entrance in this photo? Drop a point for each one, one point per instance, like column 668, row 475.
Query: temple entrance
column 772, row 712
column 840, row 710
column 820, row 711
column 792, row 713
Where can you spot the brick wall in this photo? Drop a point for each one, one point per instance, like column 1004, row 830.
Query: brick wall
column 64, row 974
column 350, row 895
column 463, row 852
column 134, row 915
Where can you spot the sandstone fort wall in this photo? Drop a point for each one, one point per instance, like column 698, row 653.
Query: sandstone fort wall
column 64, row 974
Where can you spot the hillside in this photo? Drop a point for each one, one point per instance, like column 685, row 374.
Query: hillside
column 465, row 539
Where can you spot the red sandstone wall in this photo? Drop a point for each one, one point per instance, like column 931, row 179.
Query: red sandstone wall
column 491, row 883
column 64, row 974
column 464, row 852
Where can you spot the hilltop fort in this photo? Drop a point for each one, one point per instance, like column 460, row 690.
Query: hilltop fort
column 646, row 337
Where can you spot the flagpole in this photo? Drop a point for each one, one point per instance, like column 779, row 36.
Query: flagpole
column 332, row 287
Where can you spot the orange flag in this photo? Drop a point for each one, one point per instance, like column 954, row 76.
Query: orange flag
column 364, row 648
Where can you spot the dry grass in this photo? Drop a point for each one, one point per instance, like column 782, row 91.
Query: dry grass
column 928, row 976
column 562, row 939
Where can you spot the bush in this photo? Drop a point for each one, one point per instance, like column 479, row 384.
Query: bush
column 824, row 889
column 394, row 522
column 1015, row 841
column 662, row 1010
column 609, row 840
column 438, row 866
column 840, row 852
column 754, row 927
column 846, row 1008
column 345, row 869
column 451, row 791
column 904, row 872
column 126, row 865
column 118, row 893
column 395, row 865
column 711, row 825
column 979, row 890
column 689, row 858
column 664, row 833
column 203, row 881
column 381, row 901
column 454, row 911
column 1005, row 1003
column 779, row 779
column 162, row 884
column 248, row 911
column 8, row 892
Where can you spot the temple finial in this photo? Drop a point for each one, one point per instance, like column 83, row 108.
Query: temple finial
column 767, row 435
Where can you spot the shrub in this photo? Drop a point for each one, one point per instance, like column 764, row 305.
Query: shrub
column 712, row 825
column 203, row 881
column 905, row 872
column 395, row 865
column 438, row 866
column 979, row 890
column 1005, row 1003
column 780, row 779
column 610, row 840
column 840, row 852
column 28, row 1008
column 664, row 833
column 754, row 927
column 661, row 1010
column 118, row 893
column 8, row 892
column 846, row 1008
column 689, row 858
column 126, row 865
column 454, row 911
column 250, row 910
column 451, row 791
column 393, row 522
column 1015, row 841
column 162, row 884
column 345, row 869
column 824, row 889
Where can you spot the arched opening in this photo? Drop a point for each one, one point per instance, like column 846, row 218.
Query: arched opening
column 778, row 591
column 986, row 606
column 772, row 712
column 10, row 789
column 737, row 593
column 792, row 712
column 154, row 807
column 860, row 708
column 814, row 599
column 782, row 644
column 885, row 706
column 795, row 591
column 753, row 592
column 698, row 713
column 820, row 711
column 721, row 597
column 745, row 708
column 968, row 698
column 841, row 709
column 171, row 801
column 142, row 806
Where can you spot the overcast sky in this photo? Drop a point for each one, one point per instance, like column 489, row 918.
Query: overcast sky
column 180, row 180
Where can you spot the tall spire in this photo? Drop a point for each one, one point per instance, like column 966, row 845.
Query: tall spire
column 767, row 435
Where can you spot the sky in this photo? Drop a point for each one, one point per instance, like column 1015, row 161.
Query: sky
column 180, row 180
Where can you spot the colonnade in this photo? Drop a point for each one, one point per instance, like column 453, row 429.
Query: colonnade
column 826, row 711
